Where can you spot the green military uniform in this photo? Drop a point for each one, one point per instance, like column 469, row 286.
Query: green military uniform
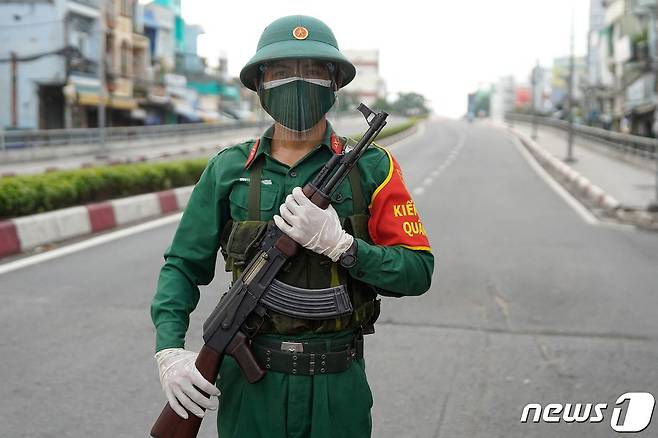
column 240, row 190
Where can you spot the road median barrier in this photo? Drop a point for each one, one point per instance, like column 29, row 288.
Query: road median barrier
column 589, row 193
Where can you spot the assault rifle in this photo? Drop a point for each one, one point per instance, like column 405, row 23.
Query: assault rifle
column 256, row 289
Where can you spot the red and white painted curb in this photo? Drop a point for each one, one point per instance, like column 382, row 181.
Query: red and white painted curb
column 576, row 180
column 28, row 232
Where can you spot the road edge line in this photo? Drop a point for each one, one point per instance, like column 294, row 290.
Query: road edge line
column 585, row 214
column 579, row 208
column 88, row 243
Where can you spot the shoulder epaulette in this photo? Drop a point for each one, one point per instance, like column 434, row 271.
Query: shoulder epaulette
column 252, row 153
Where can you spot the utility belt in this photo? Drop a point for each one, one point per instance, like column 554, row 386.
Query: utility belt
column 310, row 357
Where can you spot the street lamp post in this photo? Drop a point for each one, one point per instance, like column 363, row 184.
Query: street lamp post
column 653, row 206
column 570, row 158
column 14, row 90
column 535, row 73
column 101, row 77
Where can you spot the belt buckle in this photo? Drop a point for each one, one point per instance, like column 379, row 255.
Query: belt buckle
column 292, row 347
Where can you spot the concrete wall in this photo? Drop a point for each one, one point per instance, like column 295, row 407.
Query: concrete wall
column 29, row 29
column 367, row 84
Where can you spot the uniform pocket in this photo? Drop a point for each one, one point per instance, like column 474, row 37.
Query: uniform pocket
column 239, row 201
column 342, row 200
column 349, row 403
column 243, row 241
column 360, row 364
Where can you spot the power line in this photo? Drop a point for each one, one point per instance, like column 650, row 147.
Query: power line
column 64, row 51
column 41, row 23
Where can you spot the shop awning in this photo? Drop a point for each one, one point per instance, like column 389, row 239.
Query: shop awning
column 643, row 108
column 121, row 103
column 124, row 103
column 209, row 116
column 138, row 113
column 184, row 109
column 88, row 99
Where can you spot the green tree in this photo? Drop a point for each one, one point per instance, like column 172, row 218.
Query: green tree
column 410, row 104
column 381, row 104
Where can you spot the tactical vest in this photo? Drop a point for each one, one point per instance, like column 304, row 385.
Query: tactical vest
column 240, row 242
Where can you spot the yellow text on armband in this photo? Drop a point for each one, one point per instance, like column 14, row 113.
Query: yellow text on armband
column 407, row 209
column 413, row 228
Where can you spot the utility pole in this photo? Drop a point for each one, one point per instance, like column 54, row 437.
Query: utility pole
column 653, row 51
column 14, row 90
column 570, row 158
column 101, row 77
column 13, row 59
column 535, row 73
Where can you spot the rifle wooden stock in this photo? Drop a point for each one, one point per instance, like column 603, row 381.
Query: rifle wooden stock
column 169, row 424
column 208, row 362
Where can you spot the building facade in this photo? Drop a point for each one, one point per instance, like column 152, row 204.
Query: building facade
column 50, row 54
column 61, row 61
column 368, row 85
column 627, row 48
column 127, row 60
column 53, row 50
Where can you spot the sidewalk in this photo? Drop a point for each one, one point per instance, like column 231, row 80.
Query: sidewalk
column 633, row 186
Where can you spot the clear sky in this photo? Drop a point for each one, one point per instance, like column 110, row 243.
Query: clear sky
column 442, row 49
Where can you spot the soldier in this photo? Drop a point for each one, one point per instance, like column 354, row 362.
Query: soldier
column 370, row 239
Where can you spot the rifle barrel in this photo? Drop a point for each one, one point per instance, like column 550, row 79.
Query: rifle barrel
column 348, row 162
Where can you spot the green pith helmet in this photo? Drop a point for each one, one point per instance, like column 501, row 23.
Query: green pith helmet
column 295, row 37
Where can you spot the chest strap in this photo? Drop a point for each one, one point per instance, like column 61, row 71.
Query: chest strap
column 253, row 202
column 358, row 202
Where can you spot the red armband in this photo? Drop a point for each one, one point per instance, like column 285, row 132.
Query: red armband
column 394, row 219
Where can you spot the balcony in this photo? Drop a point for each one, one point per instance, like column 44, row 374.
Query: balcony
column 83, row 66
column 90, row 3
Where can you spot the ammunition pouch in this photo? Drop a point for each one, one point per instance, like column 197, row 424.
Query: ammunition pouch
column 240, row 241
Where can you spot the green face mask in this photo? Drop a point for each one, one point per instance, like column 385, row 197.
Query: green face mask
column 297, row 103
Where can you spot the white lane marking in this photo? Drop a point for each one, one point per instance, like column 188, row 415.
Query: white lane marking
column 94, row 241
column 579, row 208
column 441, row 167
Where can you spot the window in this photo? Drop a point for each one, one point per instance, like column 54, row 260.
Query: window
column 127, row 8
column 125, row 59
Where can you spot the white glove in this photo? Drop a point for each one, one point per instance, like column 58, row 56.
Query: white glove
column 178, row 374
column 312, row 227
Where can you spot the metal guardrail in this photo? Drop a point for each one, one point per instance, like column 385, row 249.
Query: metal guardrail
column 52, row 138
column 644, row 147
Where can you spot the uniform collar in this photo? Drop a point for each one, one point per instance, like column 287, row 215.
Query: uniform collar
column 262, row 145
